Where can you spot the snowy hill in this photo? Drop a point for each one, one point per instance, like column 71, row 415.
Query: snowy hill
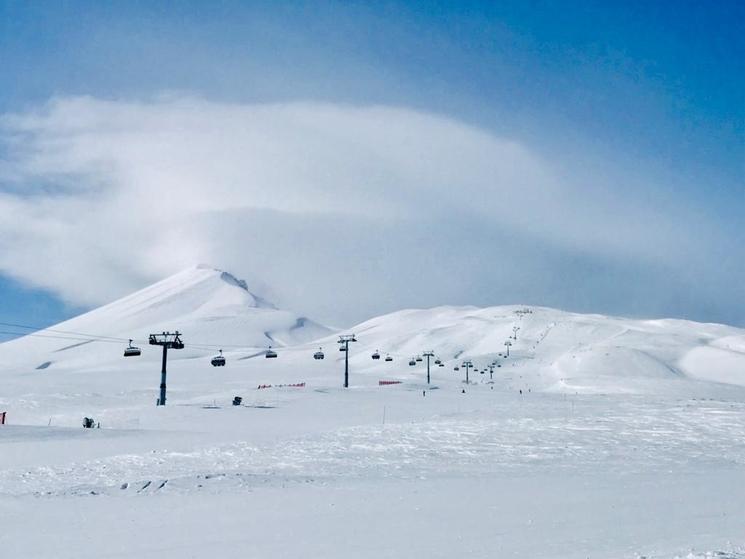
column 212, row 308
column 552, row 350
column 559, row 350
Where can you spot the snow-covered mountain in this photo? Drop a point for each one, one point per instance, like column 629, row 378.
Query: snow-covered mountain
column 551, row 350
column 210, row 307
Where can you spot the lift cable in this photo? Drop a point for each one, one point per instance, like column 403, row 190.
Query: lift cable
column 37, row 328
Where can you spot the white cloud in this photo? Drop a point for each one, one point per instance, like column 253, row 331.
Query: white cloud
column 100, row 197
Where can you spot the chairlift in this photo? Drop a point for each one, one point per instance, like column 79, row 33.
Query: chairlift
column 412, row 363
column 270, row 353
column 218, row 360
column 342, row 348
column 318, row 354
column 418, row 357
column 388, row 358
column 131, row 351
column 438, row 361
column 376, row 355
column 456, row 368
column 442, row 364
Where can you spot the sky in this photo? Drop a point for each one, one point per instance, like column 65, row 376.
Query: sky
column 351, row 159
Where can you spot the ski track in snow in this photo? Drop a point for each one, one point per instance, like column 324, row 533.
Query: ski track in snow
column 622, row 437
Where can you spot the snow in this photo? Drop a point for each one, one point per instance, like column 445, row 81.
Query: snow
column 628, row 439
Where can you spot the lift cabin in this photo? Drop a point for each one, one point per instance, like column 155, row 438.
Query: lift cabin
column 376, row 355
column 318, row 354
column 388, row 358
column 131, row 351
column 456, row 368
column 412, row 363
column 218, row 360
column 270, row 353
column 438, row 362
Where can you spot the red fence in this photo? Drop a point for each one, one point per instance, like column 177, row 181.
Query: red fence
column 387, row 382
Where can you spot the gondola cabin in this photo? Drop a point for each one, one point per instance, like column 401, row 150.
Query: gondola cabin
column 270, row 353
column 376, row 355
column 412, row 363
column 318, row 354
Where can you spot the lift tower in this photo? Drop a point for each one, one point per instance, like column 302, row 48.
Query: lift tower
column 428, row 354
column 467, row 365
column 167, row 340
column 344, row 341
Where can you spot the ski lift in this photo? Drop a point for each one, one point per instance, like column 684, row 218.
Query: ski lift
column 442, row 364
column 376, row 355
column 131, row 351
column 438, row 361
column 482, row 372
column 318, row 354
column 456, row 368
column 270, row 353
column 342, row 348
column 218, row 360
column 418, row 357
column 412, row 363
column 388, row 358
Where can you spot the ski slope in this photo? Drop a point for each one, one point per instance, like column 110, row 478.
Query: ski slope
column 598, row 436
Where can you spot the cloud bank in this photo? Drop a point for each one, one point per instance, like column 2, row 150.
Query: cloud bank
column 339, row 211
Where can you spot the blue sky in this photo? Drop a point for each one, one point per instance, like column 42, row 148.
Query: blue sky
column 633, row 101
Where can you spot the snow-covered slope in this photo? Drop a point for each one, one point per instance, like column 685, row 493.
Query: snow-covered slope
column 559, row 350
column 553, row 350
column 212, row 308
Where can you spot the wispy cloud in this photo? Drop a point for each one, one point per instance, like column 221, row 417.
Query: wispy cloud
column 337, row 209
